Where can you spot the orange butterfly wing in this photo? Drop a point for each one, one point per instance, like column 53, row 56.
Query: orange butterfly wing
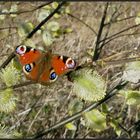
column 27, row 54
column 43, row 67
column 58, row 65
column 30, row 57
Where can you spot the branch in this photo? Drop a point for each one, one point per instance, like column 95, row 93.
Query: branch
column 96, row 54
column 20, row 121
column 7, row 28
column 124, row 30
column 113, row 38
column 110, row 94
column 122, row 61
column 113, row 17
column 119, row 20
column 45, row 20
column 125, row 130
column 134, row 128
column 12, row 55
column 27, row 11
column 84, row 23
column 19, row 85
column 32, row 33
column 100, row 61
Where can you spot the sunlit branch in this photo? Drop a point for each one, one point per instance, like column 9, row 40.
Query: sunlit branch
column 110, row 93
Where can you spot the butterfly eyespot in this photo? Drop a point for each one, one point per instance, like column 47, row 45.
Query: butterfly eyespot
column 21, row 49
column 28, row 68
column 70, row 63
column 53, row 76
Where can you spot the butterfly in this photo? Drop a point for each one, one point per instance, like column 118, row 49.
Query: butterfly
column 43, row 67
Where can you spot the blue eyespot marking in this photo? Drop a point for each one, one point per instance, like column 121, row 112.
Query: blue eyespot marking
column 53, row 76
column 28, row 67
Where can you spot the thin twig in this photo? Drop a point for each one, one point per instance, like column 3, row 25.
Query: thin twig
column 27, row 11
column 119, row 20
column 116, row 62
column 134, row 128
column 75, row 133
column 96, row 52
column 108, row 29
column 19, row 123
column 125, row 130
column 110, row 94
column 19, row 85
column 104, row 61
column 45, row 20
column 7, row 28
column 11, row 56
column 84, row 23
column 33, row 32
column 124, row 30
column 113, row 38
column 33, row 121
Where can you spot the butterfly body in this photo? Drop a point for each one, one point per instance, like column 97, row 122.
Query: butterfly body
column 43, row 67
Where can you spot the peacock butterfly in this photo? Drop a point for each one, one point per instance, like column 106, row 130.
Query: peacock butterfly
column 43, row 67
